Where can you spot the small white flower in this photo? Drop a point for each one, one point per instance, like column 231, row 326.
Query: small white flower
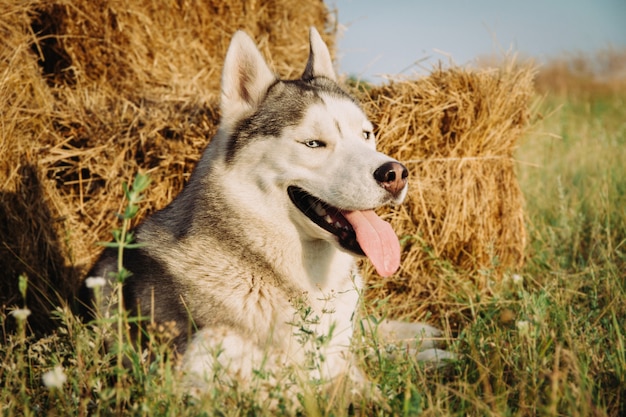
column 54, row 378
column 95, row 282
column 523, row 327
column 517, row 279
column 20, row 314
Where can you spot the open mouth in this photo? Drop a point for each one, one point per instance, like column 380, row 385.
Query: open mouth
column 327, row 217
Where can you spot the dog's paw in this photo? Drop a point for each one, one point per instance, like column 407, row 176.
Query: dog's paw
column 437, row 357
column 417, row 336
column 419, row 340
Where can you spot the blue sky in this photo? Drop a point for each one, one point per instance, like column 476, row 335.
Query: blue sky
column 389, row 36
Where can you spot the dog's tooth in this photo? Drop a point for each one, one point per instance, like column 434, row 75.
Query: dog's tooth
column 328, row 219
column 319, row 210
column 338, row 225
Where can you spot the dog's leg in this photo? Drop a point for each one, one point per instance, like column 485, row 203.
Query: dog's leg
column 419, row 336
column 419, row 340
column 222, row 354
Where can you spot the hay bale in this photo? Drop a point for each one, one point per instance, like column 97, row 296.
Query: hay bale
column 31, row 239
column 95, row 91
column 456, row 130
column 166, row 49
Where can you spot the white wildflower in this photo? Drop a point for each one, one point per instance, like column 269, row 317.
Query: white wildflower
column 20, row 314
column 54, row 378
column 95, row 282
column 523, row 327
column 517, row 279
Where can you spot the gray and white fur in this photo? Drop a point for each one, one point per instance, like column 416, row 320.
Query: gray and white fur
column 267, row 225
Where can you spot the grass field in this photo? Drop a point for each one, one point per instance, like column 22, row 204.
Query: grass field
column 550, row 340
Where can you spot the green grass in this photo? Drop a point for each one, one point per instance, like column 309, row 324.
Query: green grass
column 549, row 341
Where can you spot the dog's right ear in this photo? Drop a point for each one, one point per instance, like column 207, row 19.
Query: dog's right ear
column 245, row 79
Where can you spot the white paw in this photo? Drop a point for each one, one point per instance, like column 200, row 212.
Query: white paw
column 437, row 357
column 419, row 340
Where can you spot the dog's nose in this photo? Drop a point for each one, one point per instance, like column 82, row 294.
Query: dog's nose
column 392, row 176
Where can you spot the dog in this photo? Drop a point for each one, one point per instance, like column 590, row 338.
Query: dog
column 259, row 248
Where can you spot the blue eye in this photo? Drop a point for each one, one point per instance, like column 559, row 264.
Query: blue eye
column 315, row 143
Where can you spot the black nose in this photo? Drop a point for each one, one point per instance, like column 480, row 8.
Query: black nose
column 392, row 176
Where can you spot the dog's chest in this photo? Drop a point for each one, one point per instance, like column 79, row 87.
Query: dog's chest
column 271, row 312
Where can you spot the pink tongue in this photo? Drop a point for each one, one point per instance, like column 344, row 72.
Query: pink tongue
column 377, row 239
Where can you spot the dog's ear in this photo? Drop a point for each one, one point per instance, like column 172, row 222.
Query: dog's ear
column 246, row 78
column 319, row 63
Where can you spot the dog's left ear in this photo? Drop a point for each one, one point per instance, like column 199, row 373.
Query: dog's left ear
column 319, row 63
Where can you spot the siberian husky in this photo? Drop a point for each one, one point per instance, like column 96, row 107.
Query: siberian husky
column 259, row 248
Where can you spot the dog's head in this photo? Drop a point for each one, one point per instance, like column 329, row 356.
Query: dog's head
column 313, row 142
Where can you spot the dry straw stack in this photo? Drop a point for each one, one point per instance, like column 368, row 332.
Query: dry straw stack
column 93, row 91
column 456, row 130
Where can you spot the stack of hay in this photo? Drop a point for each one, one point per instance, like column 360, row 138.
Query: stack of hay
column 95, row 91
column 456, row 130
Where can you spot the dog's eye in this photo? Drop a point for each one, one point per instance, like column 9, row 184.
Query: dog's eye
column 367, row 135
column 315, row 143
